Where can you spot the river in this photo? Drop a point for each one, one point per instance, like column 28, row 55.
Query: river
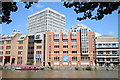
column 58, row 74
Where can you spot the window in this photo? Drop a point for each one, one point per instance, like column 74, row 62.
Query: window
column 113, row 45
column 7, row 52
column 107, row 52
column 65, row 46
column 8, row 42
column 100, row 52
column 19, row 60
column 38, row 37
column 1, row 52
column 1, row 42
column 19, row 52
column 38, row 61
column 74, row 51
column 100, row 59
column 74, row 46
column 107, row 59
column 56, row 58
column 38, row 52
column 56, row 35
column 40, row 41
column 20, row 42
column 65, row 51
column 74, row 41
column 74, row 58
column 20, row 47
column 56, row 41
column 8, row 47
column 85, row 58
column 99, row 45
column 1, row 47
column 39, row 47
column 30, row 52
column 65, row 41
column 56, row 46
column 114, row 52
column 56, row 51
column 73, row 35
column 22, row 38
column 65, row 35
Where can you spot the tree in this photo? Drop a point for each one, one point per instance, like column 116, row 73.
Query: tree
column 87, row 8
column 8, row 7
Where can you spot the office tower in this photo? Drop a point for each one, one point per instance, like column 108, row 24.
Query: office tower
column 46, row 19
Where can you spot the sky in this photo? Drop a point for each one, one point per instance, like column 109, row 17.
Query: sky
column 107, row 26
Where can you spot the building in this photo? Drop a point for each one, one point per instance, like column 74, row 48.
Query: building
column 73, row 48
column 45, row 20
column 13, row 49
column 107, row 51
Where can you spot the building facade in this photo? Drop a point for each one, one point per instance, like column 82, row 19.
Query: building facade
column 13, row 49
column 44, row 20
column 107, row 51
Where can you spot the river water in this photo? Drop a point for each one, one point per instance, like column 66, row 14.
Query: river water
column 58, row 74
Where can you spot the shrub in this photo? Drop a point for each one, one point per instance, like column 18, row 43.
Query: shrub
column 76, row 68
column 30, row 63
column 88, row 68
column 51, row 68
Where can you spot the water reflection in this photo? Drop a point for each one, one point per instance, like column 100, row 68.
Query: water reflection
column 59, row 74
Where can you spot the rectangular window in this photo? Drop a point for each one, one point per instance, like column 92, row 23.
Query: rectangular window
column 74, row 51
column 74, row 35
column 8, row 42
column 8, row 47
column 65, row 46
column 20, row 42
column 74, row 46
column 107, row 52
column 19, row 60
column 85, row 58
column 1, row 52
column 19, row 52
column 38, row 61
column 20, row 47
column 65, row 51
column 39, row 41
column 114, row 52
column 74, row 41
column 7, row 52
column 56, row 58
column 39, row 47
column 100, row 52
column 56, row 41
column 65, row 41
column 38, row 52
column 1, row 47
column 1, row 42
column 99, row 45
column 56, row 35
column 56, row 51
column 56, row 46
column 74, row 58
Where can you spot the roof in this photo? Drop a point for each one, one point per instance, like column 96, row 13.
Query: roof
column 106, row 36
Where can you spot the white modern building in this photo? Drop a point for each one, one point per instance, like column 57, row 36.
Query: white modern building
column 107, row 51
column 46, row 19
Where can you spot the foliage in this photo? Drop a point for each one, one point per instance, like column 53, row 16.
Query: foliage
column 8, row 7
column 87, row 8
column 76, row 68
column 88, row 68
column 51, row 68
column 30, row 63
